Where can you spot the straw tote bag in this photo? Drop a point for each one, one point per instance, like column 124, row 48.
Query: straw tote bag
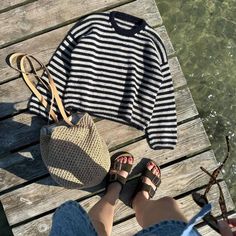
column 76, row 155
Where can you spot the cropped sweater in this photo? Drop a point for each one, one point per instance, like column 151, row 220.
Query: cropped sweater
column 115, row 66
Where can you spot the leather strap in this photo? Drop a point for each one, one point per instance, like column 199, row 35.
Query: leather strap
column 48, row 85
column 147, row 188
column 154, row 178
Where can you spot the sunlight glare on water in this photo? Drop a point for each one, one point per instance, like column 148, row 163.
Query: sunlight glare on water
column 203, row 33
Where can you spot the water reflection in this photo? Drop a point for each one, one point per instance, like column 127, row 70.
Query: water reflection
column 204, row 36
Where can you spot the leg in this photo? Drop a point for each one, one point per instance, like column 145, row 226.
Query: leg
column 149, row 212
column 102, row 212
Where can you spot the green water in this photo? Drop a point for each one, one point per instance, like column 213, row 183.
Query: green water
column 203, row 33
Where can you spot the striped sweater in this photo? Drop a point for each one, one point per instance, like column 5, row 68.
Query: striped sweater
column 115, row 66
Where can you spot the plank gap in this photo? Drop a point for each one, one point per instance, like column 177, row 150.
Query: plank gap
column 220, row 180
column 219, row 217
column 4, row 224
column 54, row 209
column 14, row 114
column 188, row 119
column 23, row 184
column 10, row 79
column 17, row 5
column 110, row 150
column 178, row 197
column 100, row 190
column 180, row 159
column 24, row 147
column 65, row 23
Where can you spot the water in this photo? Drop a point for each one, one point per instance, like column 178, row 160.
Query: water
column 203, row 33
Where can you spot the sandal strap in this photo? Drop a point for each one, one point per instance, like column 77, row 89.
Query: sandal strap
column 147, row 188
column 117, row 178
column 155, row 179
column 116, row 165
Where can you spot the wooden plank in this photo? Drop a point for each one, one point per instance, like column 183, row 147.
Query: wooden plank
column 207, row 231
column 148, row 8
column 4, row 226
column 164, row 36
column 23, row 129
column 38, row 47
column 19, row 131
column 21, row 167
column 197, row 178
column 213, row 197
column 14, row 95
column 7, row 5
column 42, row 195
column 39, row 227
column 187, row 206
column 191, row 139
column 32, row 18
column 187, row 176
column 26, row 165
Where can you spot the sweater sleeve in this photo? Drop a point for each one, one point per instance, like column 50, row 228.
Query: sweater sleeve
column 162, row 129
column 59, row 67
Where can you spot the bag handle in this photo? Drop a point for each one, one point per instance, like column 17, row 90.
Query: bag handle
column 49, row 86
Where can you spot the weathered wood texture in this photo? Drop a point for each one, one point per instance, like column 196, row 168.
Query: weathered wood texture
column 7, row 5
column 43, row 195
column 144, row 9
column 14, row 95
column 207, row 231
column 32, row 30
column 26, row 165
column 187, row 206
column 23, row 129
column 37, row 47
column 192, row 139
column 42, row 225
column 33, row 18
column 44, row 51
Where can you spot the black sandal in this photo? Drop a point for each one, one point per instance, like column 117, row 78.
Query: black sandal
column 116, row 165
column 146, row 187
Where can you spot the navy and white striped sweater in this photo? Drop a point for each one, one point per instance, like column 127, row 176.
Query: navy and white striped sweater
column 114, row 66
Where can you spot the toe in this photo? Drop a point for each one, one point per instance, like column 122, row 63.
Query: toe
column 158, row 173
column 120, row 159
column 155, row 170
column 150, row 165
column 124, row 159
column 130, row 160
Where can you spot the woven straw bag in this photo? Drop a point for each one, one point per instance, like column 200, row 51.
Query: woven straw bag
column 76, row 155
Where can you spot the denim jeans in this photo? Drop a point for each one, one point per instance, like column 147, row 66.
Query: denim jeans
column 70, row 219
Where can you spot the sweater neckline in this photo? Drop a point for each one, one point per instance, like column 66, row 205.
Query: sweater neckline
column 139, row 23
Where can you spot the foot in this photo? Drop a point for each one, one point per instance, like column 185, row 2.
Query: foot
column 122, row 159
column 142, row 194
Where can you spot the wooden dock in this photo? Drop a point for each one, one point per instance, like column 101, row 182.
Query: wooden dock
column 28, row 195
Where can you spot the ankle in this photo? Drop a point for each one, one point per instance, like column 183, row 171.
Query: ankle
column 114, row 188
column 140, row 200
column 113, row 192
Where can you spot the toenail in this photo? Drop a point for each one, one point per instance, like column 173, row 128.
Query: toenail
column 150, row 164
